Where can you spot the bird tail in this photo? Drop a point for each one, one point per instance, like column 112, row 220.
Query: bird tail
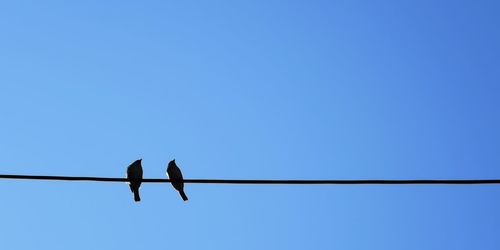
column 183, row 195
column 137, row 198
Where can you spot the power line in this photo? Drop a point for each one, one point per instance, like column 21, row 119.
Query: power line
column 233, row 181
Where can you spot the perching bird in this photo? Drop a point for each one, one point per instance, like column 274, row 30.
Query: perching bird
column 134, row 174
column 175, row 175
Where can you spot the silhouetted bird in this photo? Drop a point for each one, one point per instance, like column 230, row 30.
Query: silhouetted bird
column 134, row 174
column 175, row 175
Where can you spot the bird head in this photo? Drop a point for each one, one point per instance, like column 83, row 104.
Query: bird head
column 172, row 163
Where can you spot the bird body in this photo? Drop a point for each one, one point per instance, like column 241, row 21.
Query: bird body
column 134, row 174
column 175, row 175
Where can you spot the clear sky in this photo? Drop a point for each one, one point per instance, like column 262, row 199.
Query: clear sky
column 250, row 89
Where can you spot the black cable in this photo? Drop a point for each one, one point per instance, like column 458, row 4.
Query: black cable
column 227, row 181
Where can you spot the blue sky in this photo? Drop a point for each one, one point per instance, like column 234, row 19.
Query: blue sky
column 250, row 89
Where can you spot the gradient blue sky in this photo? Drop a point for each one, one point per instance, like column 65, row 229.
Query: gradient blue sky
column 250, row 89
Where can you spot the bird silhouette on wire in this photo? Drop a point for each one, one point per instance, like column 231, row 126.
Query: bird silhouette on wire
column 175, row 175
column 134, row 174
